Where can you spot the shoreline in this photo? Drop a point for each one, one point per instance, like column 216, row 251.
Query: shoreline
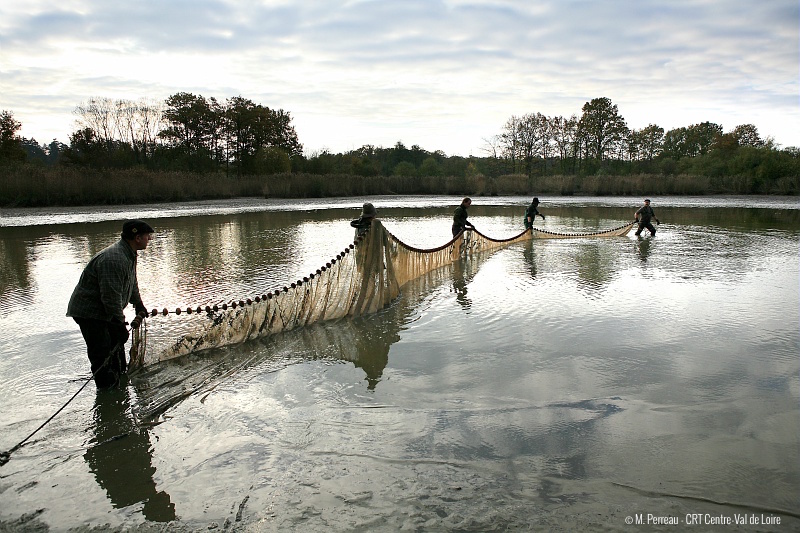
column 29, row 186
column 51, row 215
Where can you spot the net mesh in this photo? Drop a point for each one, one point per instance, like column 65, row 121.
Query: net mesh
column 364, row 278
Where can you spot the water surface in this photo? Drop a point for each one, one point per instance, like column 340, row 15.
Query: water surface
column 556, row 384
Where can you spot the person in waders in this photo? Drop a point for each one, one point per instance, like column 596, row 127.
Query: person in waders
column 460, row 222
column 363, row 223
column 531, row 212
column 643, row 216
column 106, row 286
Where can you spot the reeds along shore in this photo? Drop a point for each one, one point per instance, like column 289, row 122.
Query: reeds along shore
column 33, row 186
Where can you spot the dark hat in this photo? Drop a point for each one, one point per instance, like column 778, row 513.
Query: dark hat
column 535, row 200
column 368, row 210
column 132, row 228
column 647, row 199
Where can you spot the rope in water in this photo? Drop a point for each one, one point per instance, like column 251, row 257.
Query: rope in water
column 6, row 456
column 136, row 322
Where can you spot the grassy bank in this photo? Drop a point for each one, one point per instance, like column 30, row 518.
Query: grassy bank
column 29, row 186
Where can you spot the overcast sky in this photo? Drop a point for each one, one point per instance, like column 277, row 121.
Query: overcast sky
column 441, row 74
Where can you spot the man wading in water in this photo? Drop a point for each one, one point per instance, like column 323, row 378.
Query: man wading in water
column 107, row 285
column 363, row 223
column 530, row 213
column 460, row 217
column 643, row 216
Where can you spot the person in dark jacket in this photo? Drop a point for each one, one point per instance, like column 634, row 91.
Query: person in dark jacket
column 643, row 216
column 530, row 213
column 460, row 221
column 363, row 223
column 106, row 286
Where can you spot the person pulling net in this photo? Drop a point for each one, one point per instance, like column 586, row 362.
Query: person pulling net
column 364, row 278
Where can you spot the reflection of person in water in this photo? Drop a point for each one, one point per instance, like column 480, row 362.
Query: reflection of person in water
column 365, row 341
column 643, row 248
column 530, row 258
column 460, row 285
column 120, row 458
column 373, row 358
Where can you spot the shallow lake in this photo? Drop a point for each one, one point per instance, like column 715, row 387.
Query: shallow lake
column 574, row 384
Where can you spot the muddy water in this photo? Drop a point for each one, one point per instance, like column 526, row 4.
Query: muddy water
column 559, row 384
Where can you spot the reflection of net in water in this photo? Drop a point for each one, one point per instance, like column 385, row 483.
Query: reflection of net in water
column 364, row 341
column 364, row 278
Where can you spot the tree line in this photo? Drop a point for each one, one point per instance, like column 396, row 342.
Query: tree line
column 600, row 140
column 237, row 137
column 184, row 132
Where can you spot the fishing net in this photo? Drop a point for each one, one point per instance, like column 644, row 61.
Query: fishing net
column 364, row 278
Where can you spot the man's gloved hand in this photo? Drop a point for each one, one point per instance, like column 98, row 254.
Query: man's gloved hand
column 542, row 216
column 119, row 332
column 658, row 222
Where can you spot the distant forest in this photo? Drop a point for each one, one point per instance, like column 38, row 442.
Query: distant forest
column 190, row 147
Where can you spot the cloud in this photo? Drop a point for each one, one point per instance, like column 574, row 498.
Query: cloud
column 442, row 74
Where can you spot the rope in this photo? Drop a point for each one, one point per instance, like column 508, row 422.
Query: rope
column 592, row 234
column 6, row 456
column 233, row 304
column 136, row 322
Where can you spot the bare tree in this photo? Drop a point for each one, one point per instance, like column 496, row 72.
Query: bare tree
column 100, row 116
column 492, row 146
column 132, row 123
column 534, row 137
column 564, row 132
column 510, row 141
column 151, row 121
